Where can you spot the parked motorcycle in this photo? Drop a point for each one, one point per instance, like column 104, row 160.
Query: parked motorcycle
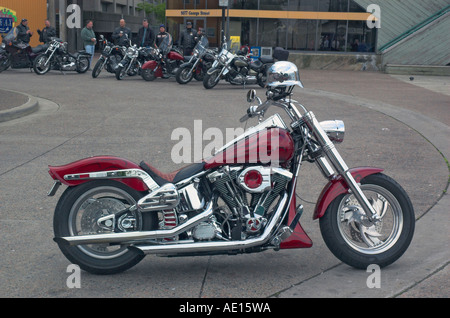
column 199, row 63
column 110, row 58
column 165, row 63
column 133, row 60
column 16, row 54
column 240, row 200
column 58, row 57
column 237, row 69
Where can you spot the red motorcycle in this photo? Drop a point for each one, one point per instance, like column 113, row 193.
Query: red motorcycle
column 240, row 200
column 165, row 64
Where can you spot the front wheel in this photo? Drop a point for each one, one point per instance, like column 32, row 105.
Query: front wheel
column 211, row 79
column 261, row 78
column 5, row 63
column 120, row 72
column 148, row 75
column 41, row 64
column 356, row 241
column 78, row 212
column 98, row 67
column 184, row 74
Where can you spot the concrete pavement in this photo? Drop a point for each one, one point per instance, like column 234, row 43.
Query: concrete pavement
column 371, row 103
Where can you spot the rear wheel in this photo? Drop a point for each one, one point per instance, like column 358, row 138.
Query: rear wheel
column 83, row 64
column 355, row 240
column 42, row 65
column 78, row 212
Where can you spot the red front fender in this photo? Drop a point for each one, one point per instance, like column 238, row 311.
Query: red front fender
column 96, row 164
column 149, row 65
column 337, row 187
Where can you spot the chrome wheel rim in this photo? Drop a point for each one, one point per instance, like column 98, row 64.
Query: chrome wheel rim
column 362, row 235
column 89, row 207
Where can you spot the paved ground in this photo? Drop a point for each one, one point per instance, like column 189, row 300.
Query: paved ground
column 386, row 121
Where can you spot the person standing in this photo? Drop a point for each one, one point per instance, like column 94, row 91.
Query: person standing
column 24, row 33
column 47, row 32
column 89, row 40
column 161, row 35
column 122, row 34
column 187, row 39
column 146, row 37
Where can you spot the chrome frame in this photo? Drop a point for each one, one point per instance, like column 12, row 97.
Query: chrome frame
column 116, row 174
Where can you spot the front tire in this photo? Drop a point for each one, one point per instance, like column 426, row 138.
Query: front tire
column 353, row 239
column 120, row 73
column 184, row 74
column 210, row 80
column 98, row 67
column 148, row 75
column 77, row 213
column 39, row 66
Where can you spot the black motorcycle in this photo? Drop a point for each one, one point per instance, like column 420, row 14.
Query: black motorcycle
column 58, row 57
column 198, row 64
column 133, row 60
column 238, row 69
column 17, row 54
column 110, row 58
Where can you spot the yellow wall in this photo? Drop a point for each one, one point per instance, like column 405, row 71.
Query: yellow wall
column 35, row 11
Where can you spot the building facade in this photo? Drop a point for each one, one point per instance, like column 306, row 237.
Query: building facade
column 12, row 12
column 303, row 25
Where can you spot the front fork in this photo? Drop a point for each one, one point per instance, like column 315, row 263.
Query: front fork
column 339, row 165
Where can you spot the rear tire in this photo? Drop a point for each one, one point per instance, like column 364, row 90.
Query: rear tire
column 83, row 64
column 77, row 213
column 360, row 243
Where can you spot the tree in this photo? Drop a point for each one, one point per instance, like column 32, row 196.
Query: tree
column 159, row 10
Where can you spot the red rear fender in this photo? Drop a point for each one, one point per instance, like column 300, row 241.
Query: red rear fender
column 96, row 164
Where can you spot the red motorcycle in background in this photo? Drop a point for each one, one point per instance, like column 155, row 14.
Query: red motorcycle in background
column 241, row 200
column 165, row 63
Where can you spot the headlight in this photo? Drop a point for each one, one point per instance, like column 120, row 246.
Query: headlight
column 223, row 59
column 335, row 130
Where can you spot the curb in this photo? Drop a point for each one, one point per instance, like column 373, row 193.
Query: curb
column 20, row 111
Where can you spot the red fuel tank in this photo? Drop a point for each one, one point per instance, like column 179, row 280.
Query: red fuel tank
column 273, row 146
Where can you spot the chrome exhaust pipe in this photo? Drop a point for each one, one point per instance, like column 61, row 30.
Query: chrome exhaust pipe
column 197, row 247
column 125, row 237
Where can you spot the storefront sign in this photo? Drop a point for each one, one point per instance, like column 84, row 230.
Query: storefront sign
column 7, row 19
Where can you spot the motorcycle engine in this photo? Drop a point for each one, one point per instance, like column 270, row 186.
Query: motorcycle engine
column 249, row 195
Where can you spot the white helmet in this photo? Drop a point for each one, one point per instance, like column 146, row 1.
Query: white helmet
column 283, row 74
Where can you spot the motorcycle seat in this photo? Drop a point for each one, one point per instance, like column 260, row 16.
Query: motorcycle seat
column 172, row 177
column 39, row 48
column 266, row 60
